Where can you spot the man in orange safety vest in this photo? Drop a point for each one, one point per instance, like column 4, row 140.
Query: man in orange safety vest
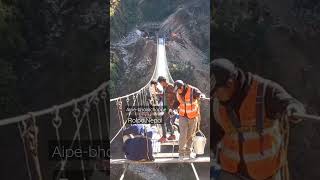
column 252, row 113
column 188, row 107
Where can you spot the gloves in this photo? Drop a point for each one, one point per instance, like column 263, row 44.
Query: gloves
column 295, row 108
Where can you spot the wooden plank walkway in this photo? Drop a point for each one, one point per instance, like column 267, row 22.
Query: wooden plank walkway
column 162, row 161
column 170, row 143
column 166, row 155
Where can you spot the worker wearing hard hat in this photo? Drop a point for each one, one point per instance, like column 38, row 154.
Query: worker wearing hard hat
column 251, row 112
column 188, row 107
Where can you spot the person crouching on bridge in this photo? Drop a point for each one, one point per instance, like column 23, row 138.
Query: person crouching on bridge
column 252, row 113
column 168, row 99
column 187, row 101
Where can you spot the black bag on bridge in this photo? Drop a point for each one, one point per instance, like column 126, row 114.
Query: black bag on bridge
column 136, row 145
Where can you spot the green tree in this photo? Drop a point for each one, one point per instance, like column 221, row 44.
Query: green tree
column 114, row 73
column 12, row 45
column 11, row 40
column 8, row 96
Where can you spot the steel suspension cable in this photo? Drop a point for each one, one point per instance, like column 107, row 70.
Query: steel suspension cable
column 122, row 126
column 87, row 108
column 25, row 151
column 105, row 107
column 76, row 113
column 121, row 113
column 64, row 162
column 51, row 109
column 96, row 103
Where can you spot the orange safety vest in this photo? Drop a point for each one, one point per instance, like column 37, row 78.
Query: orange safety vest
column 262, row 152
column 188, row 107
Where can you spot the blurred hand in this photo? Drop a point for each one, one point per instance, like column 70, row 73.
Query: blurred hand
column 295, row 108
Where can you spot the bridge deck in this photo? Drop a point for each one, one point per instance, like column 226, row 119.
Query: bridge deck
column 170, row 143
column 162, row 161
column 166, row 155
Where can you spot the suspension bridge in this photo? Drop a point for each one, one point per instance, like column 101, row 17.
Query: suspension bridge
column 139, row 98
column 84, row 118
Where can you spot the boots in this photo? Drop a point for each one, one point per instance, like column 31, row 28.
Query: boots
column 172, row 137
column 162, row 140
column 181, row 156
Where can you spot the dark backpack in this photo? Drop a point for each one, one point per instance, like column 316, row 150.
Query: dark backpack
column 138, row 146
